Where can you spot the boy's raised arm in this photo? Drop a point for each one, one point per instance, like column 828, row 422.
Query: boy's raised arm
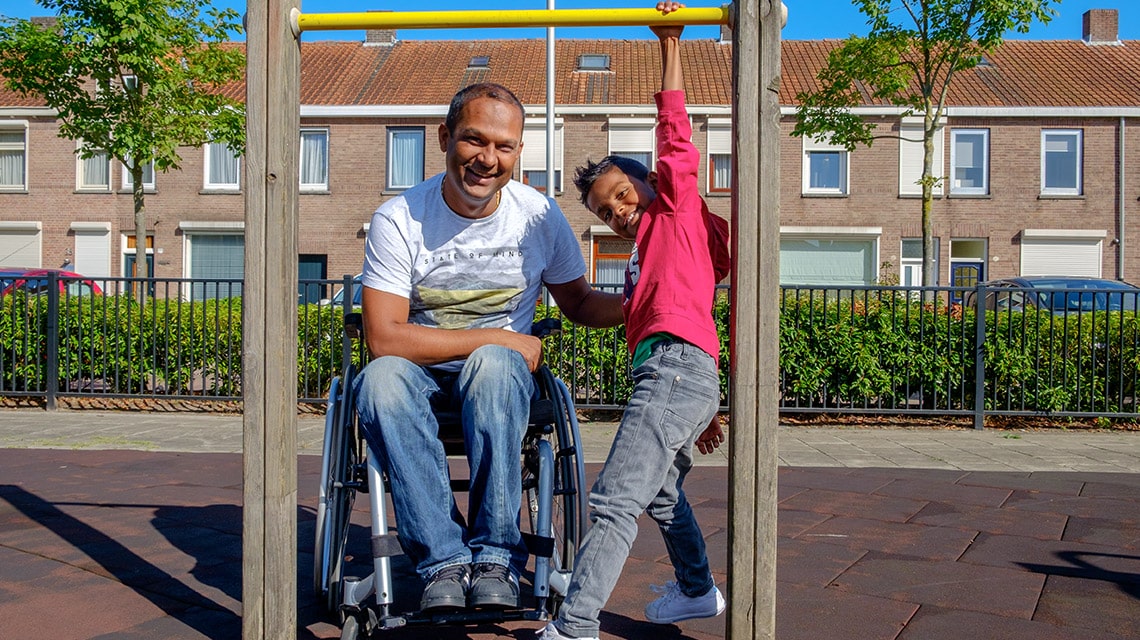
column 670, row 36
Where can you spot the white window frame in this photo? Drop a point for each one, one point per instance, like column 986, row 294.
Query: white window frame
column 914, row 265
column 314, row 186
column 533, row 156
column 719, row 138
column 1078, row 135
column 392, row 131
column 910, row 157
column 21, row 148
column 207, row 153
column 812, row 146
column 633, row 135
column 955, row 189
column 148, row 185
column 81, row 183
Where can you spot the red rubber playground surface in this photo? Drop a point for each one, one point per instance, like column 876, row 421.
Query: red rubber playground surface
column 132, row 544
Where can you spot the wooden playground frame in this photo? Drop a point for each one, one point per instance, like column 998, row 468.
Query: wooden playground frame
column 269, row 600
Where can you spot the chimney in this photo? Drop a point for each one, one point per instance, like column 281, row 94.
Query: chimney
column 380, row 37
column 1100, row 27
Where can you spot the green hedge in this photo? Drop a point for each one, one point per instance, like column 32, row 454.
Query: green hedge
column 879, row 349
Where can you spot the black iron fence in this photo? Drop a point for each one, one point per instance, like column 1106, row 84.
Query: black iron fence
column 851, row 350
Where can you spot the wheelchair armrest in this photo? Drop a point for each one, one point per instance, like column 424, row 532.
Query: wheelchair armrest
column 546, row 327
column 354, row 325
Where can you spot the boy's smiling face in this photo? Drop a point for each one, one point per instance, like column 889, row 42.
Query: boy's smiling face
column 619, row 200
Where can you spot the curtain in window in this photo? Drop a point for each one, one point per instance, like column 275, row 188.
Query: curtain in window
column 11, row 158
column 722, row 171
column 217, row 256
column 223, row 165
column 314, row 158
column 406, row 168
column 97, row 171
column 610, row 271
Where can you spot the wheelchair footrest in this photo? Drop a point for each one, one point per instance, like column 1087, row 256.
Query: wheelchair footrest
column 540, row 546
column 386, row 546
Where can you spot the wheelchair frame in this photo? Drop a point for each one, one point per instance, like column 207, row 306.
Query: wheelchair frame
column 554, row 498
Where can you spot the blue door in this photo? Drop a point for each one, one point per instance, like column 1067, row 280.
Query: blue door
column 964, row 274
column 311, row 267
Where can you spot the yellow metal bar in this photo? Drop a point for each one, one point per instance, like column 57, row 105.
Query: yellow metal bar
column 508, row 18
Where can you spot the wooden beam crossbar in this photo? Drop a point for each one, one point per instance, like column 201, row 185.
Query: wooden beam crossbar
column 507, row 18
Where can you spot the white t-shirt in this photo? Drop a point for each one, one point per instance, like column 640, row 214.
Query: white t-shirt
column 459, row 273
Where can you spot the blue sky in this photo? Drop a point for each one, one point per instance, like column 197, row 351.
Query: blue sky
column 807, row 19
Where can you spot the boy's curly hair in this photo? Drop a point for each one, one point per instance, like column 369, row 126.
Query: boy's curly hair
column 585, row 177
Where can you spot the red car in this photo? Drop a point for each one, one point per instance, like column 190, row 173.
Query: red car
column 71, row 284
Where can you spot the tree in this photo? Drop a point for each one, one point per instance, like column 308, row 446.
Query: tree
column 135, row 79
column 909, row 59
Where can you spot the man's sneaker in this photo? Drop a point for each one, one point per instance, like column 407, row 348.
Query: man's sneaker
column 551, row 632
column 447, row 589
column 674, row 606
column 493, row 587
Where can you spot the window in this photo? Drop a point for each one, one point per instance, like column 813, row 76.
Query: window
column 633, row 138
column 13, row 157
column 910, row 158
column 148, row 177
column 314, row 160
column 910, row 262
column 720, row 155
column 405, row 157
column 829, row 256
column 824, row 168
column 1061, row 162
column 610, row 257
column 533, row 160
column 223, row 168
column 969, row 162
column 21, row 243
column 94, row 173
column 215, row 253
column 593, row 62
column 479, row 62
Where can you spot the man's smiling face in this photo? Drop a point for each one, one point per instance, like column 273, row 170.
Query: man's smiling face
column 480, row 155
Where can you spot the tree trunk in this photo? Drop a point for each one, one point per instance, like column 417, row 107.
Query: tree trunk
column 141, row 270
column 929, row 275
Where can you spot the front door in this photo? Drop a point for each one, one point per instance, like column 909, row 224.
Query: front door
column 964, row 274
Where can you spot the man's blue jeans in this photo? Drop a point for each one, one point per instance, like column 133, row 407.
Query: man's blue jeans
column 493, row 391
column 676, row 393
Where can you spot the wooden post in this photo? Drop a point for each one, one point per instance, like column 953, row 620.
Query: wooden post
column 754, row 320
column 269, row 323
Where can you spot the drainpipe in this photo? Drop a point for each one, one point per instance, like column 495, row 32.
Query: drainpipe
column 1120, row 207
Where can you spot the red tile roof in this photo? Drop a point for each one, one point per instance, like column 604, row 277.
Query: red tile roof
column 1021, row 73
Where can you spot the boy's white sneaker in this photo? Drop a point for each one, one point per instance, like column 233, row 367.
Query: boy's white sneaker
column 674, row 606
column 551, row 632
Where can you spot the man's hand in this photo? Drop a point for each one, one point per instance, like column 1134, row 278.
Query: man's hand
column 711, row 438
column 529, row 346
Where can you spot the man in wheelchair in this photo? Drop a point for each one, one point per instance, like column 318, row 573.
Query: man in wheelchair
column 452, row 273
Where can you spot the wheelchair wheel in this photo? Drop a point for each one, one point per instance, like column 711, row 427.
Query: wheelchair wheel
column 569, row 504
column 336, row 494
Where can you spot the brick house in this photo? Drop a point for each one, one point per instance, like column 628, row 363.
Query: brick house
column 1034, row 151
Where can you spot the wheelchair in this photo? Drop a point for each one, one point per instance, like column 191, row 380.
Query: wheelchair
column 553, row 505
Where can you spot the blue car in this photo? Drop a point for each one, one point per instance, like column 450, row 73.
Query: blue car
column 1060, row 294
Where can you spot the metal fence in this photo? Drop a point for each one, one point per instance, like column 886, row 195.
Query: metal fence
column 850, row 350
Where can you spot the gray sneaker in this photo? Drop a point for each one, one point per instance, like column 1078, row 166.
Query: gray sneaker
column 447, row 589
column 493, row 587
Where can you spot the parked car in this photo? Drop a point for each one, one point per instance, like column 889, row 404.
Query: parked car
column 34, row 281
column 338, row 297
column 8, row 275
column 1059, row 294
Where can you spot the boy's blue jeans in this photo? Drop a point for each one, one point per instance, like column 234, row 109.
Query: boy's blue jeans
column 493, row 390
column 676, row 393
